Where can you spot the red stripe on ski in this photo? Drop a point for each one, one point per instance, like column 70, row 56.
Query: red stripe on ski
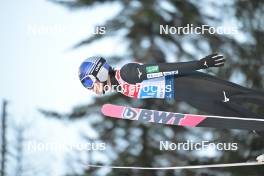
column 120, row 112
column 192, row 120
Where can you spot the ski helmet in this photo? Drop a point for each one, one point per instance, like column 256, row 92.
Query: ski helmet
column 92, row 69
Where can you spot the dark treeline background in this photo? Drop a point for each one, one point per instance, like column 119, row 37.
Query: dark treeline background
column 138, row 23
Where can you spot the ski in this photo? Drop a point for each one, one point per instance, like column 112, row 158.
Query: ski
column 188, row 120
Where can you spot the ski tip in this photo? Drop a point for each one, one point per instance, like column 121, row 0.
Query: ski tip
column 105, row 108
column 111, row 110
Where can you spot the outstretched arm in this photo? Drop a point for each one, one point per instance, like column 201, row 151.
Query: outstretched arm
column 212, row 60
column 136, row 73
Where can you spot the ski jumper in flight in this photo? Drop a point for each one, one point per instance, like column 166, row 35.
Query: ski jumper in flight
column 180, row 81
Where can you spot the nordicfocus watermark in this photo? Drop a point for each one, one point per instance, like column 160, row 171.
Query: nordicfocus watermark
column 203, row 29
column 35, row 146
column 134, row 88
column 55, row 29
column 198, row 146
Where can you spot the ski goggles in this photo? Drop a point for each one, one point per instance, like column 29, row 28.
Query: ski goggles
column 88, row 81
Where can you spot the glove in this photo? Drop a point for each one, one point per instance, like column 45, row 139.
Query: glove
column 212, row 60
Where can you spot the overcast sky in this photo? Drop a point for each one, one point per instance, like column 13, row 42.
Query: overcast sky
column 39, row 70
